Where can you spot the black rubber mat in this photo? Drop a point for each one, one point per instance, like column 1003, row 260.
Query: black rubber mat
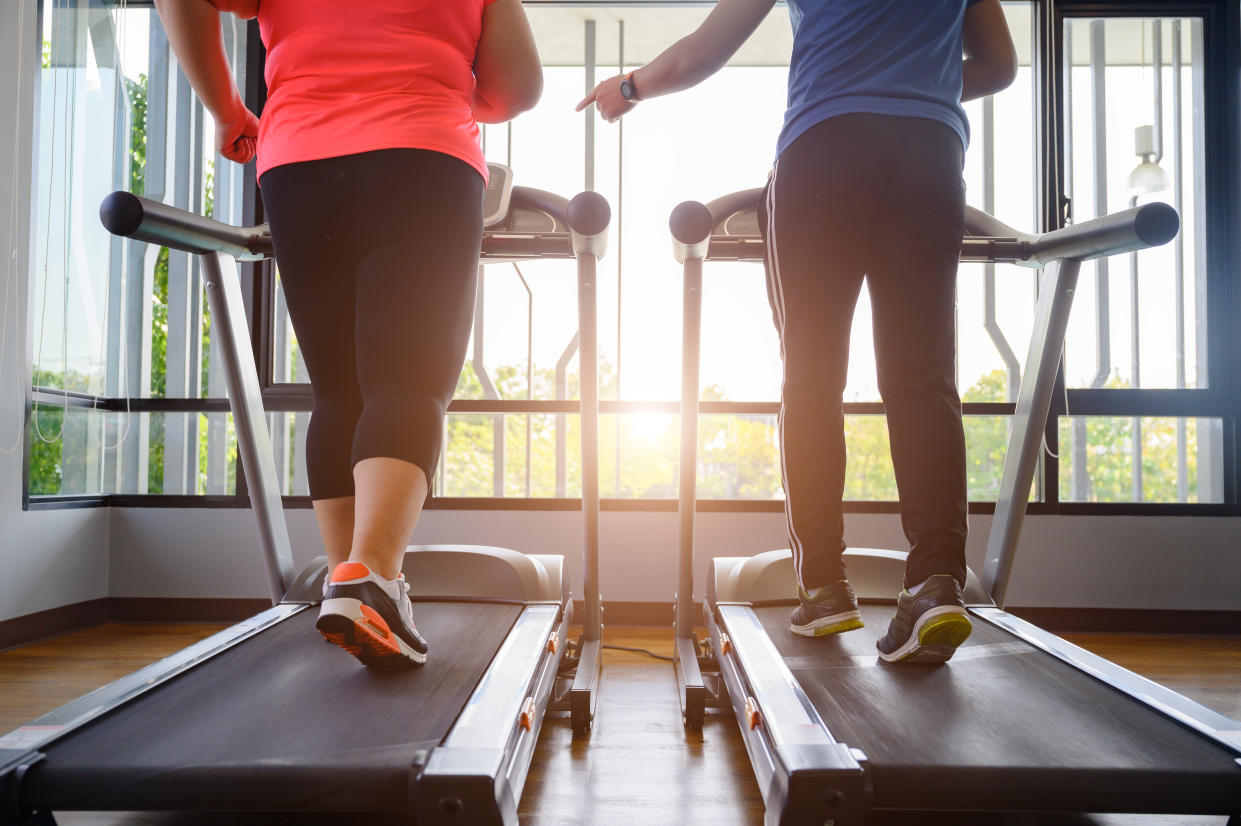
column 1001, row 725
column 285, row 720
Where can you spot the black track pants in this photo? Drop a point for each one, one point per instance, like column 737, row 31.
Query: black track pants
column 878, row 198
column 378, row 257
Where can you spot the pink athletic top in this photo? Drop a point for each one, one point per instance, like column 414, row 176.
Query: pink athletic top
column 378, row 74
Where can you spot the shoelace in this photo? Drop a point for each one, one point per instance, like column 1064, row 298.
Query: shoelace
column 407, row 607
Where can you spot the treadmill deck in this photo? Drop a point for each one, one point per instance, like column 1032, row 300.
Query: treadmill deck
column 1000, row 726
column 284, row 720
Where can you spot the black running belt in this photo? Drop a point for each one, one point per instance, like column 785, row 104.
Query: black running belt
column 285, row 720
column 1001, row 725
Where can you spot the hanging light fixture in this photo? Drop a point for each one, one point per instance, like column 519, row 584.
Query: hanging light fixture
column 1148, row 176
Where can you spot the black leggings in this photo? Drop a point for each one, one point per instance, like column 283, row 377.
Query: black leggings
column 881, row 198
column 378, row 257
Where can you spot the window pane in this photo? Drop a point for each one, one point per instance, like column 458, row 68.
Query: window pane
column 115, row 317
column 526, row 315
column 189, row 453
column 738, row 458
column 67, row 451
column 1177, row 459
column 986, row 445
column 740, row 354
column 96, row 452
column 497, row 455
column 288, row 366
column 1134, row 124
column 640, row 455
column 288, row 441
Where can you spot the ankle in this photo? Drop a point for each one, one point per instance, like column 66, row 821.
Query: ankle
column 381, row 567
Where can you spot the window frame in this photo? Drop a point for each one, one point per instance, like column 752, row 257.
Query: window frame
column 1221, row 399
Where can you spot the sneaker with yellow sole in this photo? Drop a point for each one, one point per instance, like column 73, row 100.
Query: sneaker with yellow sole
column 928, row 625
column 831, row 609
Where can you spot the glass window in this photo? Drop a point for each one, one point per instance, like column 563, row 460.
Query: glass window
column 694, row 146
column 116, row 318
column 516, row 455
column 1169, row 466
column 1133, row 127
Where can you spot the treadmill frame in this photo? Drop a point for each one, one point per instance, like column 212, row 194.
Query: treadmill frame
column 478, row 770
column 804, row 774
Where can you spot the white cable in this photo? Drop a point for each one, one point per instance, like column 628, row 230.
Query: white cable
column 51, row 183
column 123, row 366
column 10, row 282
column 1057, row 194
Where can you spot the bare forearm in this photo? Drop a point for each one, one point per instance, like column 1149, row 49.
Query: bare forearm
column 193, row 28
column 487, row 112
column 681, row 66
column 990, row 58
column 979, row 79
column 687, row 62
column 508, row 75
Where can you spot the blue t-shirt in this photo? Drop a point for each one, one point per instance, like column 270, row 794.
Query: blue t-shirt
column 886, row 57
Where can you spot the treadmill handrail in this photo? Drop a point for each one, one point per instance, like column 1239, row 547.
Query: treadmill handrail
column 144, row 219
column 586, row 218
column 1149, row 225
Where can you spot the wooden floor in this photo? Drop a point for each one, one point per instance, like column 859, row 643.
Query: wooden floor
column 638, row 766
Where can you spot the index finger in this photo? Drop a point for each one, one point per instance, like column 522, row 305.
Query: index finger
column 586, row 101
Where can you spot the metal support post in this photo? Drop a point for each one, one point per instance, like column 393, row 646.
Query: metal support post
column 253, row 442
column 1051, row 318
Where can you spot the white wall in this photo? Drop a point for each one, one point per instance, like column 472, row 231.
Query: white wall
column 49, row 558
column 1185, row 563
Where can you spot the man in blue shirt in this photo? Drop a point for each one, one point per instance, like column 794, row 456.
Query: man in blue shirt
column 866, row 185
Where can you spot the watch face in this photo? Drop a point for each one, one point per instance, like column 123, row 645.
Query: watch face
column 626, row 88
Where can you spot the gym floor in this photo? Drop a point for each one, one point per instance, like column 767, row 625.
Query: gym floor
column 638, row 765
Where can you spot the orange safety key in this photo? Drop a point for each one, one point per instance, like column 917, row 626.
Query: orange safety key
column 753, row 717
column 526, row 718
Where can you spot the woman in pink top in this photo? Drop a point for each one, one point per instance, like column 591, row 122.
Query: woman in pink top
column 372, row 180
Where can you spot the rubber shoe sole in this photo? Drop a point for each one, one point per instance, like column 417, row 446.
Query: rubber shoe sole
column 358, row 629
column 834, row 624
column 935, row 637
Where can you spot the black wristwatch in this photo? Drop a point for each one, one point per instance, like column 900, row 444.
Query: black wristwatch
column 627, row 88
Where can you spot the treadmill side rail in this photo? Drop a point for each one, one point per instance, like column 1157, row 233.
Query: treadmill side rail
column 805, row 775
column 476, row 775
column 1222, row 730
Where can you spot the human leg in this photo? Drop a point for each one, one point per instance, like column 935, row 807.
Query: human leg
column 421, row 228
column 913, row 299
column 317, row 258
column 913, row 295
column 413, row 222
column 415, row 306
column 815, row 223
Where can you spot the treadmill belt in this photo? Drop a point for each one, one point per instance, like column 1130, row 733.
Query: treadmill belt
column 1001, row 725
column 285, row 720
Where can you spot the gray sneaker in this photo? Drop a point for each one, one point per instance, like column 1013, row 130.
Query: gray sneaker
column 928, row 626
column 831, row 610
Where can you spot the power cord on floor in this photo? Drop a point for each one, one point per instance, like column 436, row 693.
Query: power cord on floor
column 645, row 651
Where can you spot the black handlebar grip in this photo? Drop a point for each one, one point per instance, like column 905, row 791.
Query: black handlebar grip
column 1156, row 223
column 589, row 214
column 121, row 213
column 691, row 223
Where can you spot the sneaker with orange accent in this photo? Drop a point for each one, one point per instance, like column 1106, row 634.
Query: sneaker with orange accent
column 371, row 617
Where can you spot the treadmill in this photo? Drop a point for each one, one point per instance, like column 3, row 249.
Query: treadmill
column 1019, row 720
column 266, row 717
